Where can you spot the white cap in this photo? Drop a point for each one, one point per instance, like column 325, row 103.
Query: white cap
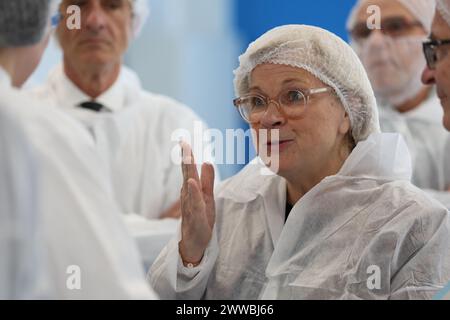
column 422, row 10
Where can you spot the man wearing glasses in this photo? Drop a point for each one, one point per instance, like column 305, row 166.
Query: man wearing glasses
column 392, row 55
column 436, row 51
column 437, row 71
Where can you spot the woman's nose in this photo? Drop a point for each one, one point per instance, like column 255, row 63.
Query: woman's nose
column 272, row 117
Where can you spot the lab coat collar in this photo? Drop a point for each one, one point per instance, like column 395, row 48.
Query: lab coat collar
column 429, row 111
column 5, row 79
column 381, row 155
column 115, row 98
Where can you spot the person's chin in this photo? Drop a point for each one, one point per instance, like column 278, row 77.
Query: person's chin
column 446, row 120
column 445, row 102
column 282, row 167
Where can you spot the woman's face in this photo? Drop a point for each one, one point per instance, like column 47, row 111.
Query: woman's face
column 310, row 143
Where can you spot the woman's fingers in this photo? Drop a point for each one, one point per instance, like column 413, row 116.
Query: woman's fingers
column 207, row 179
column 197, row 205
column 188, row 165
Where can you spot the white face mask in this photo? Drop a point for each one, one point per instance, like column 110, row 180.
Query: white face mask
column 394, row 66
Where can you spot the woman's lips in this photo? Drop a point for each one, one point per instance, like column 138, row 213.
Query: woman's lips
column 281, row 145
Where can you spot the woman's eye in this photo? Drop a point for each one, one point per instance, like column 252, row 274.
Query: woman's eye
column 257, row 102
column 294, row 96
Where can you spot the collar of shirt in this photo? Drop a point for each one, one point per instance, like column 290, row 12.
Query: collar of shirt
column 5, row 79
column 69, row 95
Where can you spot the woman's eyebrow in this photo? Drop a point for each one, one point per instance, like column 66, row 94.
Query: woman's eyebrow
column 257, row 88
column 287, row 81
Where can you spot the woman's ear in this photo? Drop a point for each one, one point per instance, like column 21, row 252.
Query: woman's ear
column 344, row 126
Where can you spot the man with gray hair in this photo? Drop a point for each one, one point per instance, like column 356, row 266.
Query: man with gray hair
column 61, row 235
column 133, row 129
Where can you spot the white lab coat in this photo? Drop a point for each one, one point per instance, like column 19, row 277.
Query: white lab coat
column 86, row 242
column 428, row 142
column 369, row 214
column 22, row 272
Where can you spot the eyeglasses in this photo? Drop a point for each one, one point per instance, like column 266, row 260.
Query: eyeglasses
column 393, row 27
column 290, row 103
column 432, row 54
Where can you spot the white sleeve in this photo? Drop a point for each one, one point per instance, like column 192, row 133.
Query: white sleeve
column 172, row 280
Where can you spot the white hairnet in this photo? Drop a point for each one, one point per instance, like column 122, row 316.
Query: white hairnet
column 443, row 7
column 325, row 56
column 22, row 22
column 422, row 10
column 141, row 11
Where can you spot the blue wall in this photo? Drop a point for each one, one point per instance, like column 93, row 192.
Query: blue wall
column 254, row 17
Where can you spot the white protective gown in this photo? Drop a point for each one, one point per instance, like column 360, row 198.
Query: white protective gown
column 137, row 141
column 89, row 253
column 428, row 142
column 369, row 214
column 22, row 272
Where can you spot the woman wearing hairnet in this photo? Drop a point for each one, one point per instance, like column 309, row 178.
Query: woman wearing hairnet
column 61, row 233
column 394, row 62
column 339, row 220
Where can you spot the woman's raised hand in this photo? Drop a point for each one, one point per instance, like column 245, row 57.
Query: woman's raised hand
column 197, row 207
